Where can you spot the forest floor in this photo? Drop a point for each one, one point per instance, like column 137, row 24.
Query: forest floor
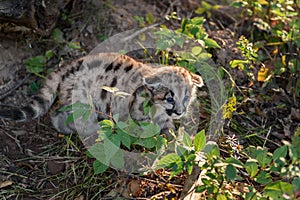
column 38, row 163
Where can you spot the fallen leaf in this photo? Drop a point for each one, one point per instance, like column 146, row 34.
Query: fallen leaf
column 262, row 74
column 6, row 183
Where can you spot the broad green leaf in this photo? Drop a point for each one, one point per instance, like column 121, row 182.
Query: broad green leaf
column 200, row 141
column 86, row 115
column 69, row 119
column 181, row 151
column 187, row 140
column 167, row 160
column 200, row 189
column 251, row 168
column 276, row 189
column 149, row 142
column 35, row 64
column 263, row 178
column 189, row 168
column 198, row 20
column 118, row 160
column 211, row 149
column 179, row 40
column 230, row 172
column 263, row 158
column 99, row 167
column 280, row 152
column 57, row 36
column 150, row 130
column 111, row 147
column 252, row 194
column 196, row 50
column 97, row 151
column 204, row 56
column 296, row 184
column 125, row 138
column 234, row 162
column 293, row 154
column 211, row 43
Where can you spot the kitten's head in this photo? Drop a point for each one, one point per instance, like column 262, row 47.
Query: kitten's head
column 173, row 88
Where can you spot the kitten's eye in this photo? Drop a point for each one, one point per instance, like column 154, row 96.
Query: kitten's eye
column 186, row 98
column 170, row 100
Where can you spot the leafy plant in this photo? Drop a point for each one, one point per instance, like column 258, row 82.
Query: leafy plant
column 36, row 64
column 221, row 177
column 186, row 152
column 115, row 135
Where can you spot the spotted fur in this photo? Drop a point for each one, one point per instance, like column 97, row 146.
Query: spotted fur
column 170, row 89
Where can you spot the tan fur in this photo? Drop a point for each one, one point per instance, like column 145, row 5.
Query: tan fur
column 170, row 88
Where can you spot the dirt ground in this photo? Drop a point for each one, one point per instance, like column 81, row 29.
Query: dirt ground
column 38, row 163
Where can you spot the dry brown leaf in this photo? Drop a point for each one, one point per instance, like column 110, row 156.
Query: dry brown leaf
column 6, row 183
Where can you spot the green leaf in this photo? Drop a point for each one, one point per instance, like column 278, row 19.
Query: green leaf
column 150, row 130
column 97, row 151
column 189, row 168
column 296, row 184
column 49, row 54
column 263, row 158
column 230, row 172
column 234, row 162
column 35, row 64
column 167, row 160
column 99, row 167
column 150, row 19
column 118, row 160
column 200, row 189
column 276, row 189
column 107, row 123
column 280, row 152
column 199, row 141
column 149, row 142
column 238, row 63
column 263, row 178
column 125, row 138
column 211, row 149
column 74, row 45
column 196, row 50
column 111, row 146
column 251, row 168
column 204, row 56
column 221, row 197
column 57, row 36
column 181, row 151
column 179, row 40
column 293, row 154
column 237, row 4
column 187, row 141
column 211, row 43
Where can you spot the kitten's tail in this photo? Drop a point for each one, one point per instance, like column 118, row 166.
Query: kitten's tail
column 41, row 102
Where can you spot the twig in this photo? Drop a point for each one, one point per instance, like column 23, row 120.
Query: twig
column 267, row 136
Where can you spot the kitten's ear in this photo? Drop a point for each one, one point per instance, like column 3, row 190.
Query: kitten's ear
column 152, row 83
column 197, row 80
